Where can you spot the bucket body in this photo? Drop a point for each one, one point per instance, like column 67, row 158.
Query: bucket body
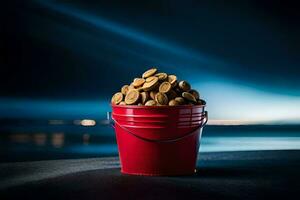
column 158, row 141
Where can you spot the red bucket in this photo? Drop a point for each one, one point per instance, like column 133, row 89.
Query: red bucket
column 158, row 141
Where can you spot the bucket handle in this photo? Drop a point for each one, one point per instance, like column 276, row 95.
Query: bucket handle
column 205, row 116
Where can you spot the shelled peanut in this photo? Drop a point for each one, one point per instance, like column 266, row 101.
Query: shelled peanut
column 157, row 89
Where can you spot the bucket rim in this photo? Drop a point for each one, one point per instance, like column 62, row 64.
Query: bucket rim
column 162, row 106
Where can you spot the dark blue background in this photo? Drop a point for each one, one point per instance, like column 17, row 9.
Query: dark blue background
column 58, row 54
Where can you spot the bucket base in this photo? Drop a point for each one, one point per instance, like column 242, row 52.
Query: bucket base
column 157, row 174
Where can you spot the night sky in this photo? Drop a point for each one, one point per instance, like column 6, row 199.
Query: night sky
column 62, row 59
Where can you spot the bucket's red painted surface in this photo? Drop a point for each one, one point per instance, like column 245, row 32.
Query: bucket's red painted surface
column 158, row 141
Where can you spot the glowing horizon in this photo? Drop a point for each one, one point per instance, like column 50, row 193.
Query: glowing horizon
column 57, row 110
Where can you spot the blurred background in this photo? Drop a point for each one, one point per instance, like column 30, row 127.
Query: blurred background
column 61, row 61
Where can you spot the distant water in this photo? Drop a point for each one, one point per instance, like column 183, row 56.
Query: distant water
column 43, row 141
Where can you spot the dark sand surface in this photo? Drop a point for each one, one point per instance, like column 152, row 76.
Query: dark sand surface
column 222, row 175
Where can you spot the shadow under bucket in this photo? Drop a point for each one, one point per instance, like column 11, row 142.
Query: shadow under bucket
column 158, row 141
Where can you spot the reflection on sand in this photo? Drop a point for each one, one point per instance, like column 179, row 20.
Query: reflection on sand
column 58, row 140
column 20, row 138
column 86, row 138
column 40, row 139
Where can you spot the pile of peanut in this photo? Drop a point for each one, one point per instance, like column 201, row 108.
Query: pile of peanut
column 157, row 89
